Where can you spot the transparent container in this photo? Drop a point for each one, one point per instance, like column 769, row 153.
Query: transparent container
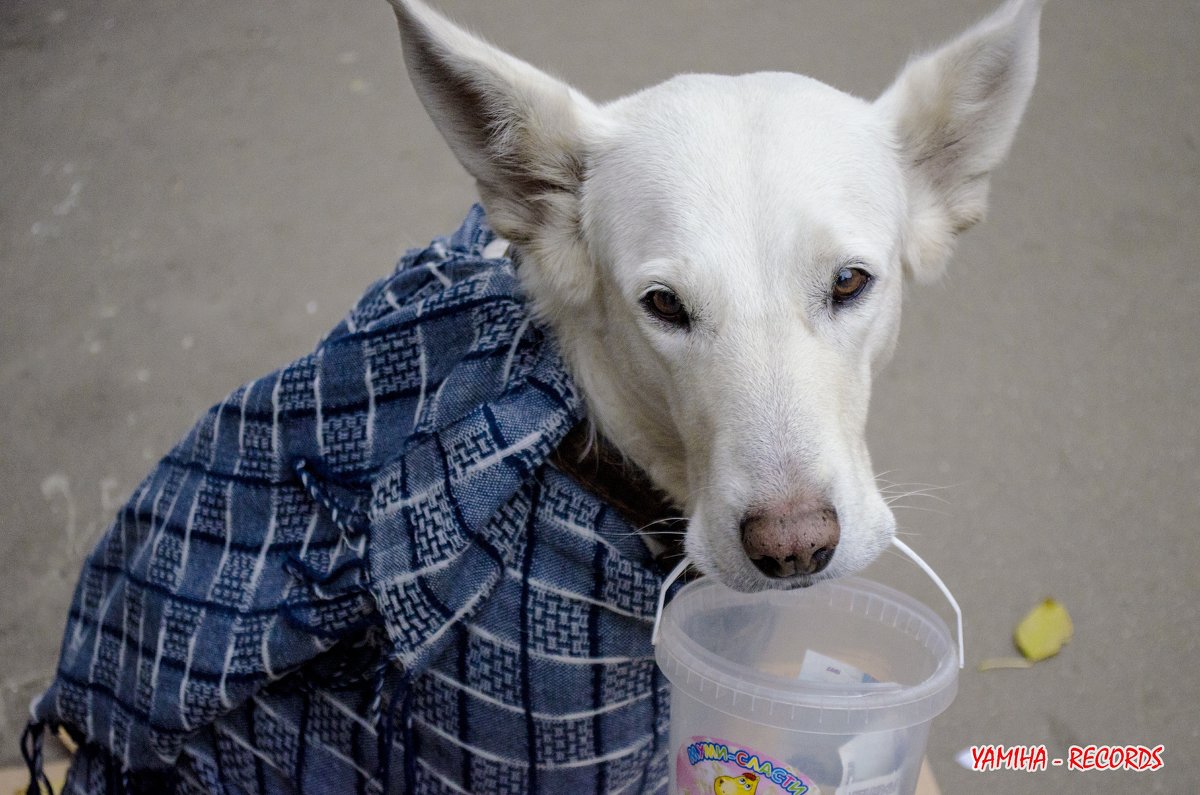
column 829, row 689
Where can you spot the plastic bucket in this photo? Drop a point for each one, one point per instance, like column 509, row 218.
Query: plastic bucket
column 828, row 689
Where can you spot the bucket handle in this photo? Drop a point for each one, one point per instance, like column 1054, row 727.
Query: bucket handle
column 925, row 567
column 675, row 574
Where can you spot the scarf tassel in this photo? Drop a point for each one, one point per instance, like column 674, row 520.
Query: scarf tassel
column 31, row 752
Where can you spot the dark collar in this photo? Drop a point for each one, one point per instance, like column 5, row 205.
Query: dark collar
column 600, row 468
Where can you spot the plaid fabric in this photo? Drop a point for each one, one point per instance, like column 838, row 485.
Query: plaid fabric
column 360, row 574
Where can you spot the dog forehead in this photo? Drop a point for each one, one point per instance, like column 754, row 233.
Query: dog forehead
column 742, row 163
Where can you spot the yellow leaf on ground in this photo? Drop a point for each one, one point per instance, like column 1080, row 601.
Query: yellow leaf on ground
column 1044, row 631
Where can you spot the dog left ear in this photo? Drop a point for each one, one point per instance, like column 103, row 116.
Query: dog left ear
column 519, row 132
column 954, row 113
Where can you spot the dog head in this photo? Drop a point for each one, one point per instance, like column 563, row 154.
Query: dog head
column 722, row 258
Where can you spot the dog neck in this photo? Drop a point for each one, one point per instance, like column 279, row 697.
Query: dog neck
column 599, row 466
column 594, row 463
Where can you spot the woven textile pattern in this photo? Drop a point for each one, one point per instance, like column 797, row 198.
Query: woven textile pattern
column 360, row 574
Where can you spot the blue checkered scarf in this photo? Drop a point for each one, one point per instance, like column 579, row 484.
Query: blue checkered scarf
column 361, row 574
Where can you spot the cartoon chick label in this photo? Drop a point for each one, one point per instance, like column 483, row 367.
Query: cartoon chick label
column 745, row 784
column 706, row 766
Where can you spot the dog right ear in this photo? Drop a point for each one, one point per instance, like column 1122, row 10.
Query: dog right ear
column 519, row 132
column 954, row 113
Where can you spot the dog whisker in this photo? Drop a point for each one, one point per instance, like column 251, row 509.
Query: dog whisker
column 896, row 495
column 888, row 486
column 914, row 493
column 890, row 498
column 661, row 521
column 896, row 484
column 908, row 533
column 655, row 533
column 928, row 485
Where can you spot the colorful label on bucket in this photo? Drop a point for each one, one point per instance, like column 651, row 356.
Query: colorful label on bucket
column 707, row 766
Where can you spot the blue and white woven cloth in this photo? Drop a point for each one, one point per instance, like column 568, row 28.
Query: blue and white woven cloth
column 360, row 574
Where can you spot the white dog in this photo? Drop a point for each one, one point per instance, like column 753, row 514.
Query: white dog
column 722, row 259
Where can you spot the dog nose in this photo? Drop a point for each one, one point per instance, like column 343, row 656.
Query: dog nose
column 792, row 540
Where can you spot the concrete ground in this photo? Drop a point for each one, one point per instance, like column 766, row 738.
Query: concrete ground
column 191, row 193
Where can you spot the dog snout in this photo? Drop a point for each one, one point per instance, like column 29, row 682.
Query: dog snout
column 793, row 540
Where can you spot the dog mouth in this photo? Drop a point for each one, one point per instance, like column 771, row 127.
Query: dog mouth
column 789, row 583
column 749, row 578
column 724, row 555
column 745, row 582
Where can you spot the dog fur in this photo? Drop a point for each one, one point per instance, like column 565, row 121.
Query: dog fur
column 743, row 199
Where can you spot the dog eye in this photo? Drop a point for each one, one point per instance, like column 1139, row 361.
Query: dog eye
column 849, row 284
column 666, row 306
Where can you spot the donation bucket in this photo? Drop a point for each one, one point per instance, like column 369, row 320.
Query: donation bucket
column 829, row 689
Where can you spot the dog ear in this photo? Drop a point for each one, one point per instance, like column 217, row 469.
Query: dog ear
column 954, row 113
column 519, row 132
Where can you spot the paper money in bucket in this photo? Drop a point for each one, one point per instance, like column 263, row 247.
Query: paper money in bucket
column 829, row 689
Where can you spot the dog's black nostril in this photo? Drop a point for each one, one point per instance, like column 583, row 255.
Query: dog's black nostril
column 773, row 567
column 794, row 564
column 821, row 558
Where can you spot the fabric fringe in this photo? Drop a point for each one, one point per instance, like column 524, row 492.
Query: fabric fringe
column 31, row 752
column 351, row 521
